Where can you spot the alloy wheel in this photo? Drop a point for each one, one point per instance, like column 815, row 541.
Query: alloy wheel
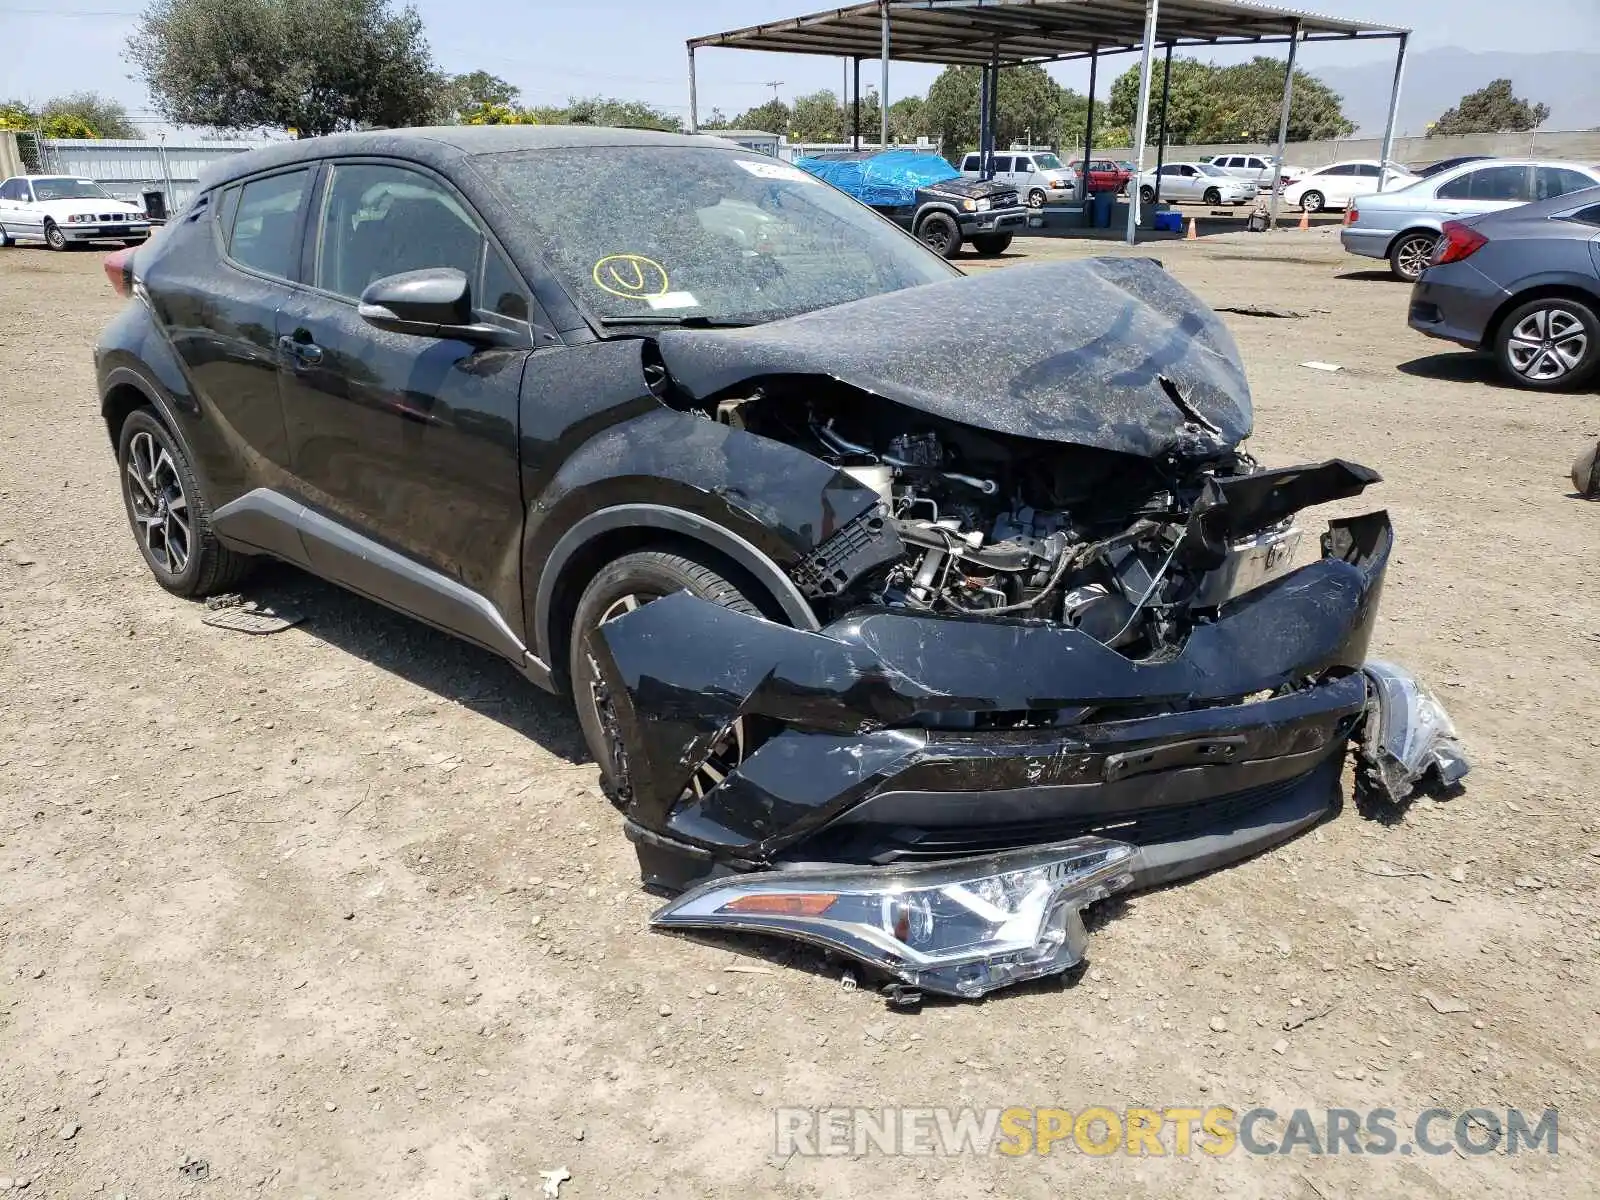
column 724, row 756
column 1413, row 254
column 160, row 509
column 1547, row 344
column 1036, row 199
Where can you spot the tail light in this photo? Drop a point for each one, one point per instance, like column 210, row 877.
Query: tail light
column 1351, row 215
column 119, row 270
column 1459, row 241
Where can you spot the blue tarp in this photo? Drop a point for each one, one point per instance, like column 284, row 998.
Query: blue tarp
column 884, row 180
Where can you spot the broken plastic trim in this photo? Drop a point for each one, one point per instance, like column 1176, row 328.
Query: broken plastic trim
column 960, row 928
column 1407, row 735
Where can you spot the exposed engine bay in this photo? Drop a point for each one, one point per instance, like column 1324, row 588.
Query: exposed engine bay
column 980, row 524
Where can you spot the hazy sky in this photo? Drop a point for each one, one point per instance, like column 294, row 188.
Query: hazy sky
column 553, row 49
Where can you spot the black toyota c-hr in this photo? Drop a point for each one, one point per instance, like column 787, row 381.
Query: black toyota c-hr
column 856, row 567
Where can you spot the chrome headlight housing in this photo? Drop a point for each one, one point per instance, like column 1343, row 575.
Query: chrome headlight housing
column 985, row 205
column 960, row 928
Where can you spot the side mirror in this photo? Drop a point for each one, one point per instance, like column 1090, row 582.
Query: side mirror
column 435, row 302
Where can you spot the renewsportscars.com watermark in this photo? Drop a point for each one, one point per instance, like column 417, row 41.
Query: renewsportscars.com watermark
column 1100, row 1130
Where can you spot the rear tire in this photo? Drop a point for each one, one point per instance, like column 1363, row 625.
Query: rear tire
column 170, row 514
column 617, row 588
column 5, row 238
column 990, row 244
column 1409, row 255
column 940, row 233
column 53, row 237
column 1147, row 194
column 1549, row 344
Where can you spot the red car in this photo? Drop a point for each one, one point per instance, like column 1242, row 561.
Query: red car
column 1104, row 174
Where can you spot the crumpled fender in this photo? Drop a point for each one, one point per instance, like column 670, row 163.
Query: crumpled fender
column 681, row 670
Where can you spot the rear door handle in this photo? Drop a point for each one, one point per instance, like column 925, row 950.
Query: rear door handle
column 305, row 354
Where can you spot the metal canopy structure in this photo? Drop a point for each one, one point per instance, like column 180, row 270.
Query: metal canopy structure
column 976, row 32
column 991, row 34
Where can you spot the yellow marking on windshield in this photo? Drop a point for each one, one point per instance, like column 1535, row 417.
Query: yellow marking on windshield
column 631, row 276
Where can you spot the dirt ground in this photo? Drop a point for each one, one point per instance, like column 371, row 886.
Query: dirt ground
column 342, row 912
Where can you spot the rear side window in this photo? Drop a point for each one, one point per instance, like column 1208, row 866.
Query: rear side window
column 1549, row 182
column 1587, row 216
column 1488, row 183
column 13, row 189
column 1002, row 162
column 264, row 232
column 970, row 163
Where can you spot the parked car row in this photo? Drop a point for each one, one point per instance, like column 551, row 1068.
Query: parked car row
column 1040, row 177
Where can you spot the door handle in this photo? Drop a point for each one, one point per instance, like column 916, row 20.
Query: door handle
column 305, row 354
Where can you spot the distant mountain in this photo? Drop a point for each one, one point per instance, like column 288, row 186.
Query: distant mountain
column 1567, row 80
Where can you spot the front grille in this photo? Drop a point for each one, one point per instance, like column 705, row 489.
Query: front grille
column 909, row 845
column 1003, row 199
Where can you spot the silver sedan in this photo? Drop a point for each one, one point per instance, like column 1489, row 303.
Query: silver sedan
column 1403, row 225
column 1196, row 181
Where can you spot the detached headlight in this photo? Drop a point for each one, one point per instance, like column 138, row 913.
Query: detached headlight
column 960, row 928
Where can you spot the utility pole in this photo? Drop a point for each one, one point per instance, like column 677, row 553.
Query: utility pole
column 774, row 84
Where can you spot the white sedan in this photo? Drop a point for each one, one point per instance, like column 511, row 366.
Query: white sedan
column 1196, row 181
column 60, row 209
column 1335, row 185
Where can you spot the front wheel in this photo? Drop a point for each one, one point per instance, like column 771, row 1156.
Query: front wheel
column 626, row 584
column 169, row 513
column 1036, row 198
column 1212, row 197
column 1311, row 202
column 1410, row 254
column 940, row 233
column 53, row 237
column 991, row 244
column 1548, row 344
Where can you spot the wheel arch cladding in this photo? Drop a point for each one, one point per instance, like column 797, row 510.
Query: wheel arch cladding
column 122, row 400
column 1557, row 289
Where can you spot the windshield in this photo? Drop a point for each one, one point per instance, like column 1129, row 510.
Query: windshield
column 69, row 189
column 701, row 234
column 1207, row 169
column 1047, row 162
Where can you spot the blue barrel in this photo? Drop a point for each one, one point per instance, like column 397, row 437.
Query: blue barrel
column 1103, row 202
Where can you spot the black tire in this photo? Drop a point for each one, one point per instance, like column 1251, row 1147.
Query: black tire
column 53, row 237
column 204, row 566
column 1037, row 198
column 990, row 244
column 1212, row 197
column 5, row 238
column 940, row 233
column 1312, row 201
column 1147, row 194
column 1409, row 255
column 1552, row 325
column 647, row 575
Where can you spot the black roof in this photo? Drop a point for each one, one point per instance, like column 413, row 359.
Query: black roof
column 438, row 145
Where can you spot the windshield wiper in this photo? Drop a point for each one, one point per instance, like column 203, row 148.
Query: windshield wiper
column 689, row 322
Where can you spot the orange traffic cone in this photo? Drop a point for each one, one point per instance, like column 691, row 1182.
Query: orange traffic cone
column 1194, row 229
column 1305, row 218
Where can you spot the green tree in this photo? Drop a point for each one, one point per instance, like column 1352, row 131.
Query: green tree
column 606, row 110
column 100, row 115
column 771, row 117
column 477, row 92
column 1030, row 104
column 906, row 119
column 1241, row 103
column 817, row 117
column 1491, row 109
column 314, row 66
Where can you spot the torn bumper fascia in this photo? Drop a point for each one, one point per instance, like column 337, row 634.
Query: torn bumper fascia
column 857, row 716
column 1407, row 739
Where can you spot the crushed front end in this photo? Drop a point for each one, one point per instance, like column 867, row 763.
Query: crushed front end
column 1067, row 653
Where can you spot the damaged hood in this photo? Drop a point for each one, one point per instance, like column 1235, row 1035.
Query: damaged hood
column 1111, row 353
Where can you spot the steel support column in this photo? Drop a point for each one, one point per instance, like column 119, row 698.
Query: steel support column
column 983, row 122
column 1161, row 140
column 1394, row 107
column 1283, row 126
column 883, row 91
column 694, row 97
column 855, row 122
column 1151, row 16
column 1088, row 128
